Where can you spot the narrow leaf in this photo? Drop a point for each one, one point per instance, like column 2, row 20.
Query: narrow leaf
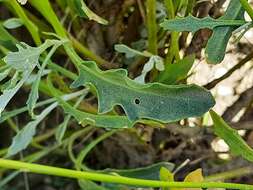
column 25, row 136
column 82, row 10
column 12, row 23
column 6, row 39
column 4, row 73
column 105, row 121
column 34, row 94
column 168, row 103
column 22, row 139
column 193, row 24
column 129, row 52
column 237, row 145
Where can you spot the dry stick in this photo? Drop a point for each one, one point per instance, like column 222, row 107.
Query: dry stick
column 244, row 100
column 213, row 83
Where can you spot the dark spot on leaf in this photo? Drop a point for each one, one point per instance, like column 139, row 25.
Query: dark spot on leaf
column 137, row 101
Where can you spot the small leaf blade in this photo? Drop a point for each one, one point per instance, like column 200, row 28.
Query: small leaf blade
column 22, row 139
column 237, row 145
column 12, row 23
column 193, row 24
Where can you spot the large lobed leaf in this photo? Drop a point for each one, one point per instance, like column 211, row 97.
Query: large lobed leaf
column 222, row 27
column 144, row 101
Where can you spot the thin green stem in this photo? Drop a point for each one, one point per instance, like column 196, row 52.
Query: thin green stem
column 86, row 52
column 63, row 71
column 31, row 27
column 230, row 174
column 174, row 47
column 247, row 8
column 89, row 147
column 44, row 7
column 49, row 170
column 152, row 27
column 73, row 138
column 170, row 8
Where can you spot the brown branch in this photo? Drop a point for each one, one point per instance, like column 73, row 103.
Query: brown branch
column 213, row 83
column 244, row 100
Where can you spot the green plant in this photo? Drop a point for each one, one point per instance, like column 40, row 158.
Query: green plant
column 165, row 98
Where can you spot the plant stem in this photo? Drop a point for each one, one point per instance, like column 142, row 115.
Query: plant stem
column 86, row 52
column 63, row 71
column 230, row 174
column 44, row 7
column 89, row 147
column 170, row 8
column 49, row 170
column 247, row 8
column 174, row 47
column 31, row 27
column 151, row 25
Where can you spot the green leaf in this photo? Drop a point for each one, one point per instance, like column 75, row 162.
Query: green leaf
column 80, row 7
column 22, row 139
column 217, row 44
column 12, row 23
column 9, row 93
column 11, row 83
column 154, row 61
column 166, row 175
column 129, row 52
column 193, row 24
column 144, row 101
column 177, row 71
column 237, row 145
column 23, row 61
column 4, row 73
column 10, row 114
column 25, row 136
column 61, row 129
column 26, row 57
column 105, row 121
column 7, row 40
column 84, row 118
column 151, row 172
column 194, row 176
column 34, row 94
